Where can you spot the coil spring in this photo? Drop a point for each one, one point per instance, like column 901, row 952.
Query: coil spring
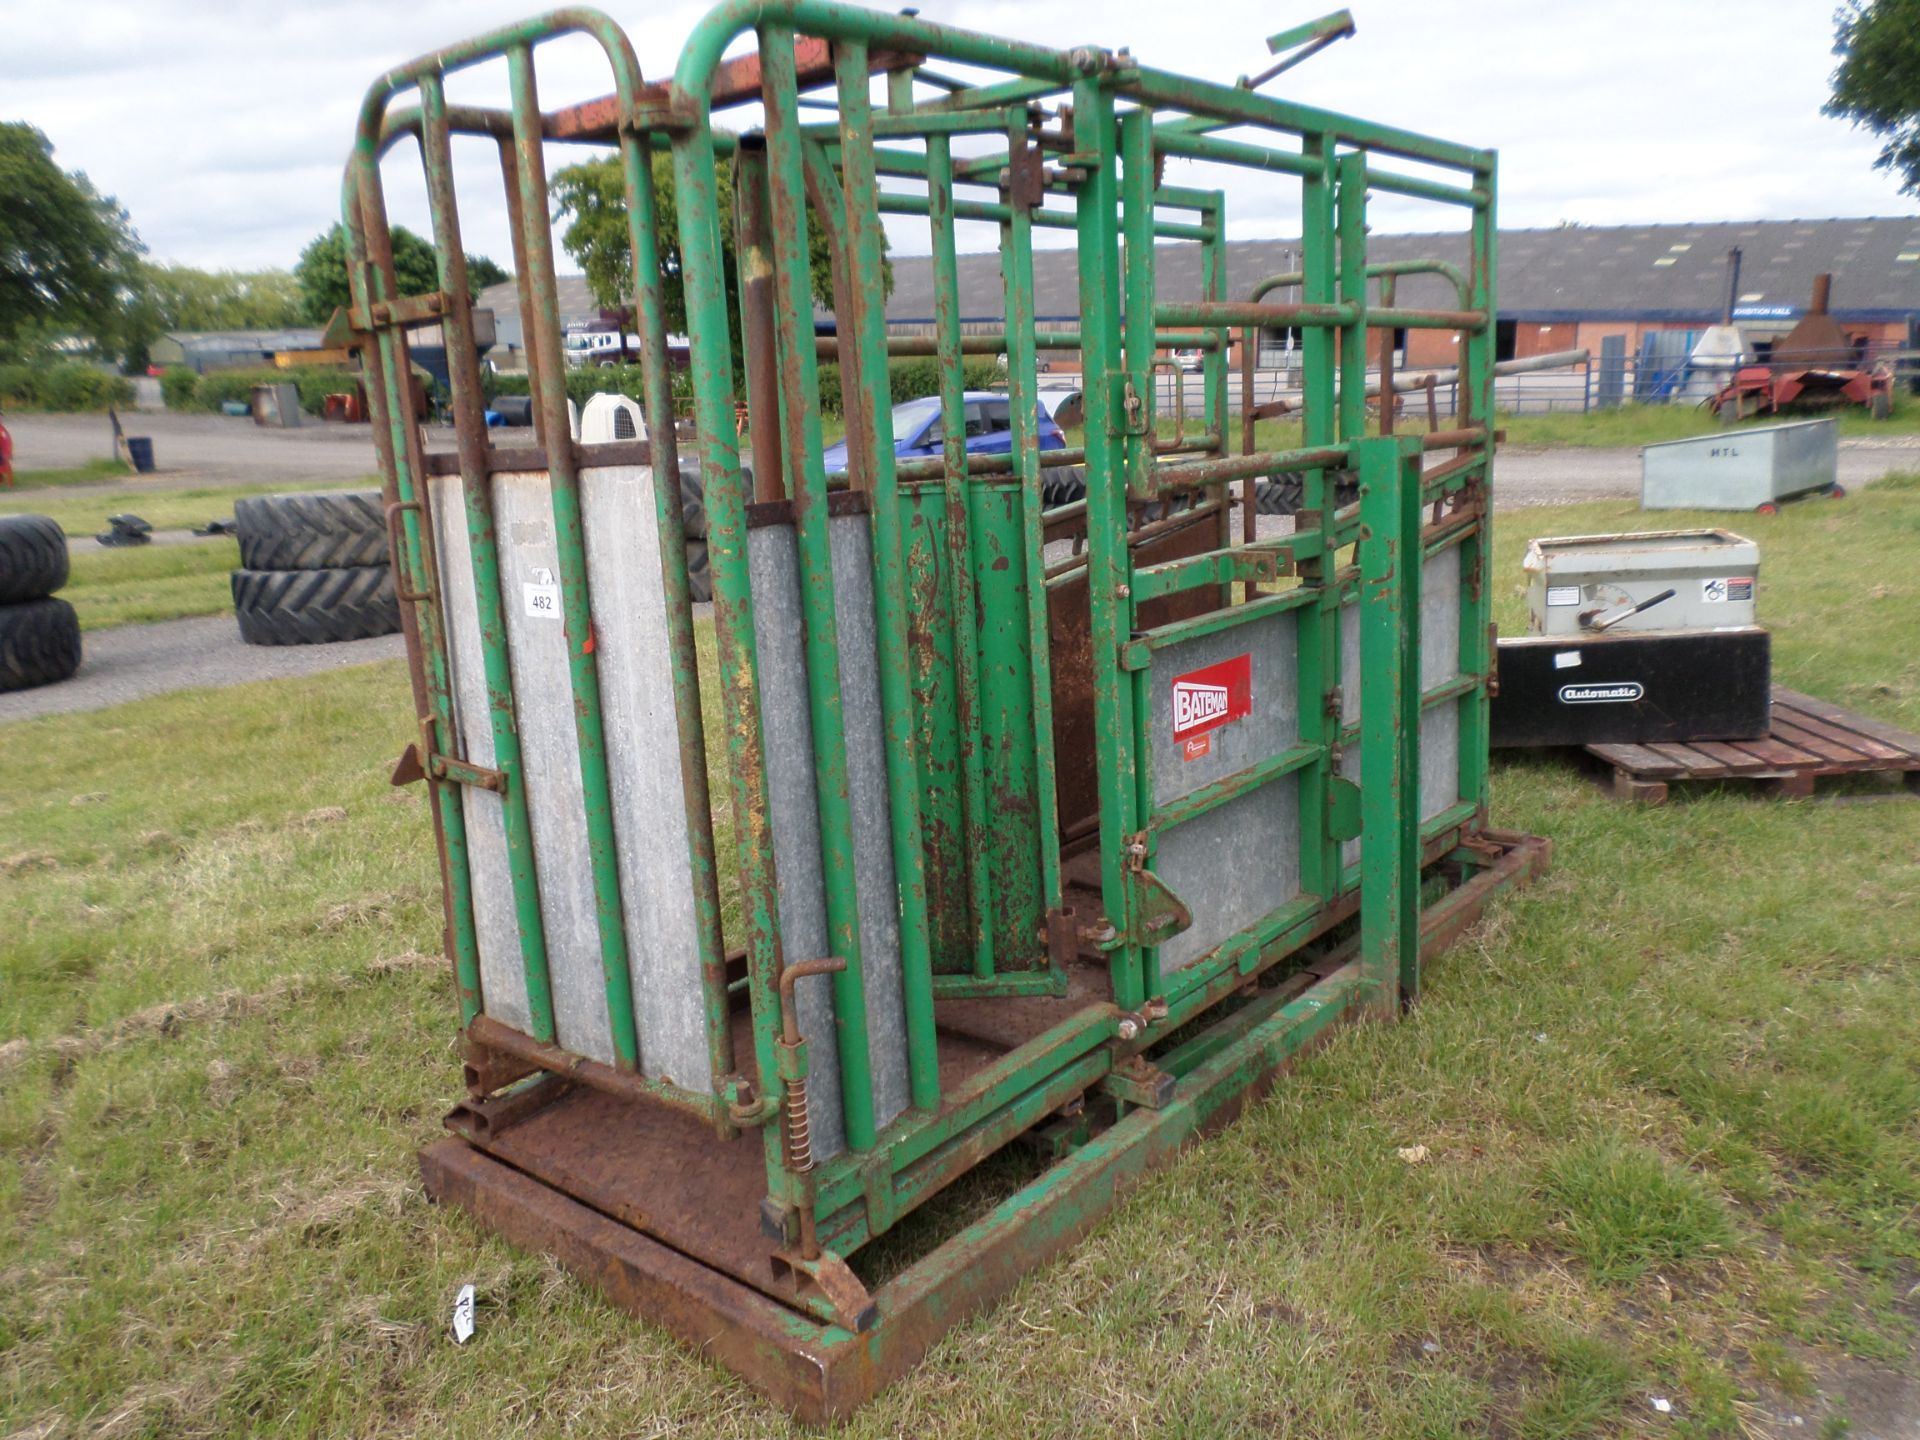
column 799, row 1128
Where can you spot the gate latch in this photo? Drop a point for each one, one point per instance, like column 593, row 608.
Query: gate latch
column 1157, row 914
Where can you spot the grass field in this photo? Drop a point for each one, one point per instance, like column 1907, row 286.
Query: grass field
column 149, row 582
column 1667, row 1098
column 91, row 473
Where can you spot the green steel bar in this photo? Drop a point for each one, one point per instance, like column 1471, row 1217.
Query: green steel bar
column 895, row 203
column 1231, row 312
column 1231, row 787
column 1351, row 209
column 483, row 546
column 995, row 341
column 1137, row 417
column 1321, row 679
column 711, row 345
column 1474, row 197
column 1016, row 273
column 1476, row 599
column 1213, row 363
column 1226, row 102
column 1230, row 152
column 993, row 96
column 649, row 305
column 799, row 382
column 570, row 543
column 1390, row 719
column 1109, row 568
column 370, row 277
column 960, row 556
column 867, row 304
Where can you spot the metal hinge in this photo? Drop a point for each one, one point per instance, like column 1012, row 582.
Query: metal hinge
column 407, row 310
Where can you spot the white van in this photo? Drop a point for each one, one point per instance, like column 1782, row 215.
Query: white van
column 601, row 347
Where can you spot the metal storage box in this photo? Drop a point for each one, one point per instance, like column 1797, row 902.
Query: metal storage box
column 1741, row 469
column 1589, row 584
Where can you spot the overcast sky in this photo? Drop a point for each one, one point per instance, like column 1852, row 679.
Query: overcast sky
column 222, row 124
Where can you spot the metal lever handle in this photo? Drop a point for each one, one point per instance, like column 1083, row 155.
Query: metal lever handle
column 1607, row 619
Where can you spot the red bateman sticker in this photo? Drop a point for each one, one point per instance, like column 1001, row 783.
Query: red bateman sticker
column 1206, row 699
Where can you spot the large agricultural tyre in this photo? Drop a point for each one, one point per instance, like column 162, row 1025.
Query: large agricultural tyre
column 326, row 531
column 1062, row 485
column 315, row 607
column 39, row 643
column 33, row 558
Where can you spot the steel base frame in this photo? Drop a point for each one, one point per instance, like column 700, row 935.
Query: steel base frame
column 822, row 1372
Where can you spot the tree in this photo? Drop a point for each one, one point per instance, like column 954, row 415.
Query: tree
column 594, row 195
column 183, row 298
column 68, row 254
column 483, row 273
column 322, row 271
column 1878, row 82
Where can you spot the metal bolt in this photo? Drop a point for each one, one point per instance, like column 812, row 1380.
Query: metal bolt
column 1123, row 591
column 1128, row 1028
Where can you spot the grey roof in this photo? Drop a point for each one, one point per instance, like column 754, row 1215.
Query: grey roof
column 1568, row 273
column 229, row 340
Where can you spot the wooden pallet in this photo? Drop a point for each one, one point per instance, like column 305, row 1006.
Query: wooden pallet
column 1809, row 738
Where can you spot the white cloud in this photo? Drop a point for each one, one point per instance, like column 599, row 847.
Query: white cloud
column 222, row 126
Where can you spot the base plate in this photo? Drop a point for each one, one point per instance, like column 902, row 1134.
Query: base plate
column 821, row 1371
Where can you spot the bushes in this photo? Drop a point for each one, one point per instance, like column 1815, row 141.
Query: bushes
column 314, row 382
column 64, row 385
column 177, row 387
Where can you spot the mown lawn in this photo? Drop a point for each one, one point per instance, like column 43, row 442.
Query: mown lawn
column 91, row 473
column 1667, row 1100
column 115, row 586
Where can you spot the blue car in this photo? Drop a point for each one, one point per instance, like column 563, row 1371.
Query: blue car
column 918, row 431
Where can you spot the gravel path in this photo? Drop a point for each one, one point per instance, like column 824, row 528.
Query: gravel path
column 131, row 662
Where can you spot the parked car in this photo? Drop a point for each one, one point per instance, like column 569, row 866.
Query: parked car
column 919, row 433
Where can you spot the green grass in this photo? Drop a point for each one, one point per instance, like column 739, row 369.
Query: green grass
column 150, row 582
column 1666, row 1094
column 164, row 505
column 112, row 586
column 91, row 473
column 1633, row 425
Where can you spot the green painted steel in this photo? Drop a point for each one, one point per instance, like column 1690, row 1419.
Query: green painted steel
column 973, row 622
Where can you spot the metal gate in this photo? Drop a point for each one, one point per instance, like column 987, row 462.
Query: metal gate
column 993, row 821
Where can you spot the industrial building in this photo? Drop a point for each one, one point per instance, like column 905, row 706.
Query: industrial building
column 1628, row 290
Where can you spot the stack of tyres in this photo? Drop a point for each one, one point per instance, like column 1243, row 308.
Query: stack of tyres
column 39, row 633
column 314, row 569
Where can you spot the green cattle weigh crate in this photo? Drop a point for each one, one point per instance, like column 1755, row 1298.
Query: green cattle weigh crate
column 955, row 820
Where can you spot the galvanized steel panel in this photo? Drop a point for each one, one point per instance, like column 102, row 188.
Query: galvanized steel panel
column 503, row 976
column 1439, row 759
column 644, row 772
column 1272, row 646
column 793, row 811
column 1440, row 618
column 1740, row 469
column 1232, row 865
column 867, row 801
column 550, row 753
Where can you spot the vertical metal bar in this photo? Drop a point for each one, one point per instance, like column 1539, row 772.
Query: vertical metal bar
column 1016, row 273
column 1249, row 362
column 1476, row 597
column 1390, row 560
column 463, row 371
column 1386, row 360
column 711, row 344
column 1351, row 211
column 867, row 302
column 1320, row 867
column 960, row 559
column 786, row 183
column 370, row 278
column 1109, row 566
column 753, row 253
column 643, row 227
column 522, row 281
column 1141, row 390
column 571, row 547
column 1213, row 363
